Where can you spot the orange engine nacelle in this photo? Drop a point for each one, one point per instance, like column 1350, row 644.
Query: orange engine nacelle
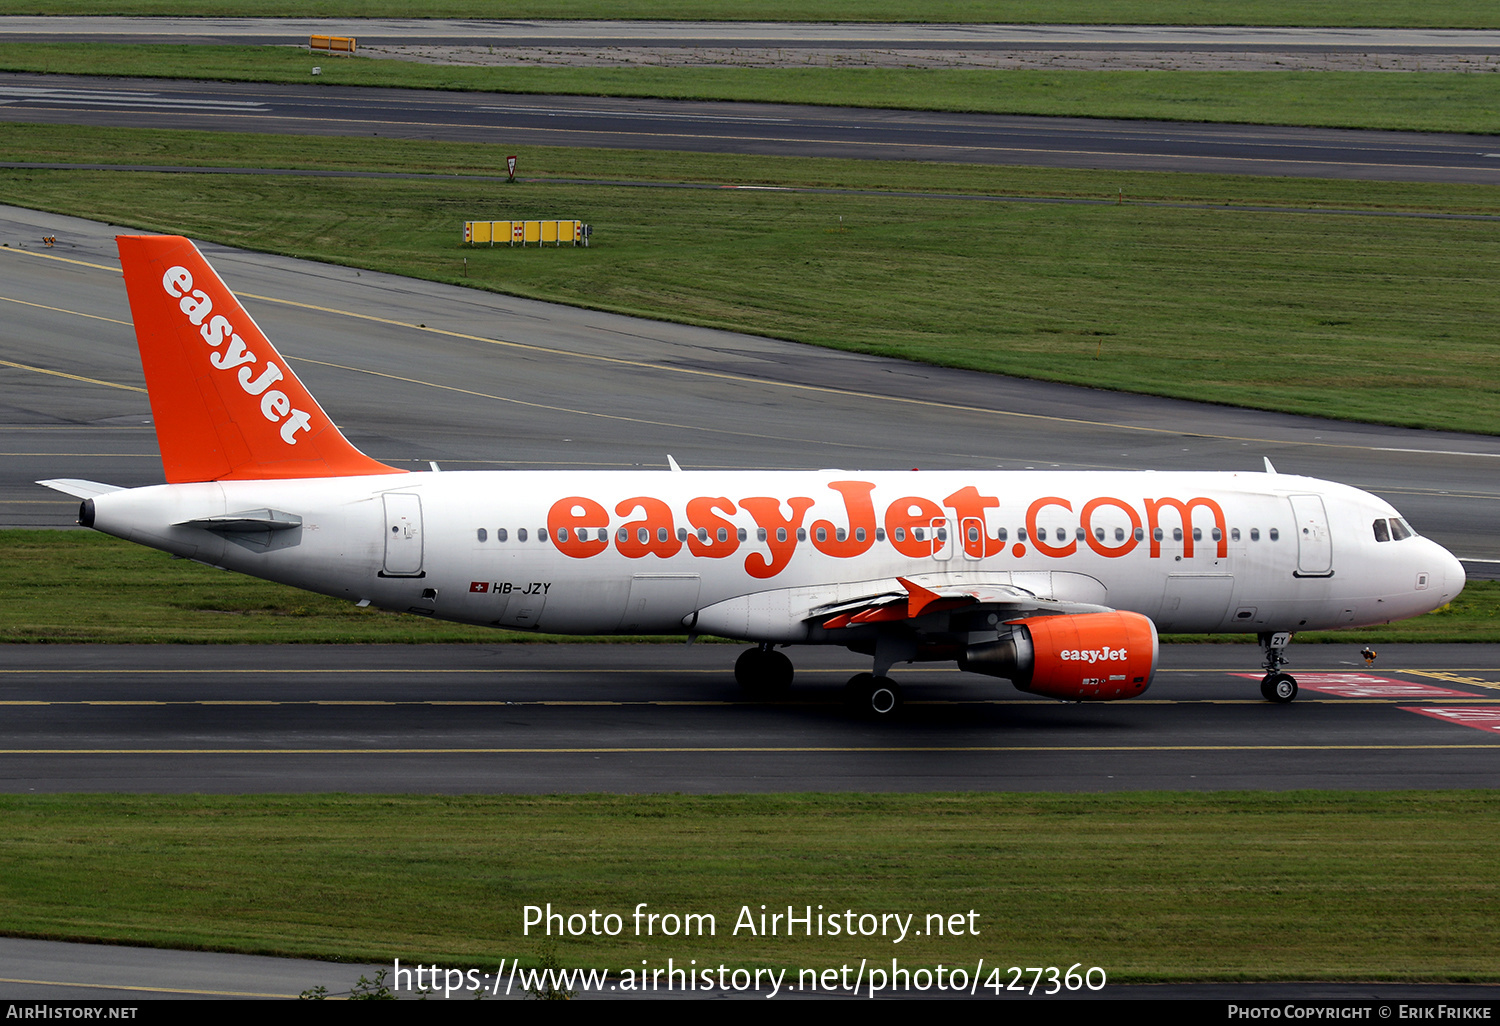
column 1090, row 657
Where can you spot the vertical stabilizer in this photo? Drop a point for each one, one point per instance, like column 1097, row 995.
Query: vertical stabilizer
column 226, row 405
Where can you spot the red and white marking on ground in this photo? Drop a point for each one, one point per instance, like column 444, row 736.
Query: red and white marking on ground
column 1480, row 717
column 1363, row 685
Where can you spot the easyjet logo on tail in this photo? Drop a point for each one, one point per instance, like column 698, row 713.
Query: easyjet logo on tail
column 232, row 356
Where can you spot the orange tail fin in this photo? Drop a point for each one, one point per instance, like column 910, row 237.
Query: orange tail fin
column 226, row 405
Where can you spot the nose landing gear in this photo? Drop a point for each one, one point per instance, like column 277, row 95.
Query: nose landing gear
column 1277, row 686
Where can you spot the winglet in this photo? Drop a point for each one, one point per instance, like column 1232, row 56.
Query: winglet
column 226, row 405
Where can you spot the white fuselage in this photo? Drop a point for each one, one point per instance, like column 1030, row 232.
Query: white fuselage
column 752, row 554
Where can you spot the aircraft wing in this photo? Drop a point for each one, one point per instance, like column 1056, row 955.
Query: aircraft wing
column 913, row 600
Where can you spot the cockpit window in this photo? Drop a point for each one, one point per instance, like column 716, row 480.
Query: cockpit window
column 1399, row 529
column 1382, row 533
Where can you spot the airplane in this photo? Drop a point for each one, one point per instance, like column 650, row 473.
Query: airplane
column 1056, row 581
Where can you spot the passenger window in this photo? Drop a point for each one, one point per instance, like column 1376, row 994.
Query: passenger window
column 1275, row 534
column 781, row 534
column 703, row 534
column 822, row 534
column 1080, row 535
column 1255, row 534
column 900, row 534
column 1140, row 534
column 1197, row 534
column 562, row 534
column 880, row 534
column 840, row 534
column 520, row 534
column 681, row 533
column 859, row 534
column 483, row 534
column 1041, row 534
column 802, row 534
column 500, row 534
column 1234, row 534
column 760, row 534
column 723, row 534
column 622, row 536
column 973, row 534
column 1000, row 534
column 1382, row 533
column 1099, row 533
column 642, row 535
column 1218, row 535
column 661, row 534
column 541, row 534
column 1020, row 534
column 1119, row 534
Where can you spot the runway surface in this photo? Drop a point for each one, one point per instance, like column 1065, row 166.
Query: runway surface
column 472, row 719
column 749, row 128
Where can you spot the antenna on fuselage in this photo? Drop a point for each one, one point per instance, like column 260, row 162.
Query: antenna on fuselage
column 1269, row 469
column 673, row 464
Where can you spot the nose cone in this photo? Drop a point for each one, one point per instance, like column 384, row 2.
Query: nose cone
column 1454, row 577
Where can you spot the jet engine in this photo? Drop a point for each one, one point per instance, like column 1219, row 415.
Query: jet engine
column 1088, row 657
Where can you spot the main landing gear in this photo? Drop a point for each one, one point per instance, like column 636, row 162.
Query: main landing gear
column 763, row 672
column 1277, row 686
column 876, row 697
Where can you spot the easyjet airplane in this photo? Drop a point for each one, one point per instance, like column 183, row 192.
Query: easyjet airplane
column 1058, row 582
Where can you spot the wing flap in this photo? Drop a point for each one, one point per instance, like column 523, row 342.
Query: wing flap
column 915, row 600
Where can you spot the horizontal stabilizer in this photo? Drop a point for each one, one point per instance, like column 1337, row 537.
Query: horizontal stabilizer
column 79, row 488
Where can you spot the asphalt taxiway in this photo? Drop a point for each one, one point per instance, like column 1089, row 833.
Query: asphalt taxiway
column 471, row 719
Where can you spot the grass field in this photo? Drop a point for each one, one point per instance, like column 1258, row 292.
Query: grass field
column 1150, row 886
column 1419, row 101
column 1176, row 292
column 81, row 586
column 1383, row 13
